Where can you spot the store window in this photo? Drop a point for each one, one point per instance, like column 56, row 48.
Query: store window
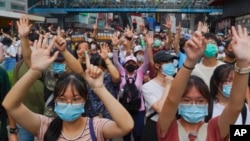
column 17, row 7
column 2, row 4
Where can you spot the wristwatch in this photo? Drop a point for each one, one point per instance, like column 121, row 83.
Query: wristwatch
column 241, row 70
column 13, row 130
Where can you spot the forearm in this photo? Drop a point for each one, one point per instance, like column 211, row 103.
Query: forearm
column 176, row 45
column 12, row 122
column 72, row 62
column 114, row 107
column 128, row 47
column 15, row 96
column 95, row 33
column 26, row 51
column 112, row 71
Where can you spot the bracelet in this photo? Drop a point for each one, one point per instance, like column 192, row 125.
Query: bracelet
column 189, row 68
column 13, row 130
column 241, row 70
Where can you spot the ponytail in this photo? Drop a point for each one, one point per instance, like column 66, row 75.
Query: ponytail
column 54, row 130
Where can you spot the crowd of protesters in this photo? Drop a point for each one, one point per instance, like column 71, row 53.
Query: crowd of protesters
column 163, row 86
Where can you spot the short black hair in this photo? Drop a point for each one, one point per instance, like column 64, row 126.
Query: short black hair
column 212, row 36
column 33, row 36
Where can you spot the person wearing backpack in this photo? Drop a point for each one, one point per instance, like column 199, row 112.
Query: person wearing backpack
column 71, row 93
column 220, row 89
column 131, row 83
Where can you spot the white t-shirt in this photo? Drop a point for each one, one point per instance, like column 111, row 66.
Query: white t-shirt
column 218, row 109
column 204, row 72
column 152, row 92
column 11, row 50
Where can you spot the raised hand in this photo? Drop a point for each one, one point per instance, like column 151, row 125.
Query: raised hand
column 240, row 44
column 178, row 30
column 104, row 51
column 195, row 47
column 149, row 39
column 168, row 23
column 93, row 75
column 24, row 26
column 60, row 43
column 129, row 32
column 115, row 40
column 94, row 26
column 40, row 57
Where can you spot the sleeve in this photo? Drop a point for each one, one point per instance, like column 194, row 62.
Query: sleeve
column 44, row 124
column 144, row 67
column 116, row 61
column 148, row 95
column 214, row 130
column 98, row 125
column 171, row 135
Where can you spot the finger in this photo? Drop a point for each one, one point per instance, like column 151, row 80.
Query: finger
column 190, row 43
column 45, row 41
column 87, row 59
column 245, row 32
column 199, row 27
column 35, row 45
column 18, row 24
column 39, row 43
column 234, row 32
column 240, row 31
column 58, row 31
column 53, row 58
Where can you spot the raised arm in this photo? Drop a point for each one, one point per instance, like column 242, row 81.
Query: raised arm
column 40, row 60
column 129, row 37
column 110, row 66
column 23, row 31
column 241, row 49
column 71, row 61
column 115, row 42
column 194, row 50
column 122, row 121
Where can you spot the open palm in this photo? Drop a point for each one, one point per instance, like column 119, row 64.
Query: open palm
column 23, row 26
column 240, row 44
column 40, row 57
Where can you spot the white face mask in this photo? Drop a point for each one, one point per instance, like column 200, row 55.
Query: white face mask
column 110, row 55
column 93, row 46
column 140, row 58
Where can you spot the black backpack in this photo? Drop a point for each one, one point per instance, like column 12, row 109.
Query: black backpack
column 131, row 98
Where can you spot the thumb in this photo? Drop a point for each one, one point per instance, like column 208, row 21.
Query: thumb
column 53, row 58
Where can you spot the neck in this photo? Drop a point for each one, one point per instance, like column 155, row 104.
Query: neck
column 160, row 79
column 73, row 129
column 221, row 99
column 229, row 59
column 189, row 127
column 210, row 62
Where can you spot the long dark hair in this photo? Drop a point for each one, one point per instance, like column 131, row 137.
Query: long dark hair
column 54, row 130
column 77, row 46
column 220, row 74
column 200, row 85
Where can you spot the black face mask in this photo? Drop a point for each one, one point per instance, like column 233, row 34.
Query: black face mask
column 230, row 54
column 130, row 68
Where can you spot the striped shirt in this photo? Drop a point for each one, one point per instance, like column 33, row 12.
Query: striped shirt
column 98, row 124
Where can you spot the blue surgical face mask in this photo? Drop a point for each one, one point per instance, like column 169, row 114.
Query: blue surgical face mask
column 226, row 90
column 193, row 113
column 58, row 68
column 168, row 69
column 121, row 47
column 69, row 112
column 211, row 50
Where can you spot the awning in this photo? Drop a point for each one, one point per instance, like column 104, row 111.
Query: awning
column 16, row 15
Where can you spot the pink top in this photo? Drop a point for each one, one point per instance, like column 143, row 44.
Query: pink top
column 98, row 124
column 141, row 71
column 213, row 131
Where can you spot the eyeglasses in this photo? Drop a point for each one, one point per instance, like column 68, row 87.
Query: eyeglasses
column 73, row 101
column 187, row 100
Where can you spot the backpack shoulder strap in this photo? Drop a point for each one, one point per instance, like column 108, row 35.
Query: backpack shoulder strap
column 91, row 130
column 244, row 114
